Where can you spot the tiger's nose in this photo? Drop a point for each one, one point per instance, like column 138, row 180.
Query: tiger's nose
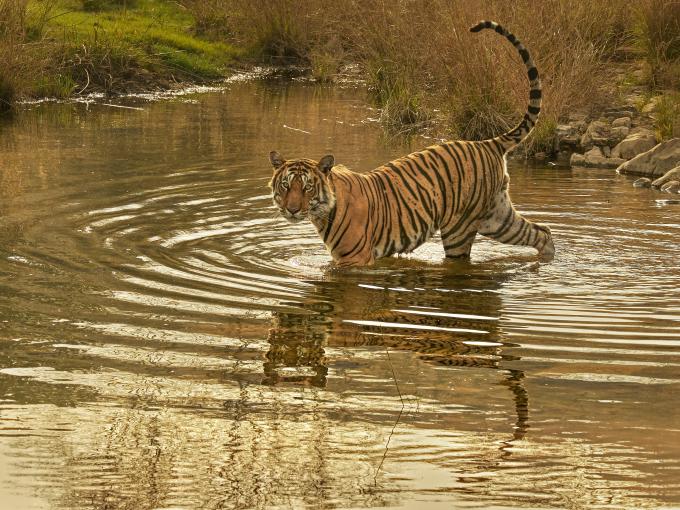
column 293, row 209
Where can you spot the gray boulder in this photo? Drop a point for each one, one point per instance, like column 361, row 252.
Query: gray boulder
column 621, row 122
column 634, row 144
column 597, row 133
column 594, row 158
column 655, row 162
column 594, row 155
column 600, row 133
column 670, row 176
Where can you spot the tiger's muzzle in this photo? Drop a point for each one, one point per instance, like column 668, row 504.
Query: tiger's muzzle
column 294, row 216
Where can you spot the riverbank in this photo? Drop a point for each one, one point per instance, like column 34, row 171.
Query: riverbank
column 62, row 48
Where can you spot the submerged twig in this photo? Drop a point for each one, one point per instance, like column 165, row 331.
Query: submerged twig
column 401, row 411
column 297, row 129
column 121, row 106
column 87, row 84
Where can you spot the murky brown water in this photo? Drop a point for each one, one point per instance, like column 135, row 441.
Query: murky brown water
column 167, row 342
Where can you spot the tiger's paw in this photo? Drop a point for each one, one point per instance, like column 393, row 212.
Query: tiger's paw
column 546, row 252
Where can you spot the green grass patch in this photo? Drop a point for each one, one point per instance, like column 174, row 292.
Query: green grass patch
column 121, row 45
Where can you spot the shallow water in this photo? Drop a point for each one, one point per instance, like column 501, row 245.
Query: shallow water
column 167, row 342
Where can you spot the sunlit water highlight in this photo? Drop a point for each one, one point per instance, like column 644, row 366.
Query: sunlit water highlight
column 167, row 342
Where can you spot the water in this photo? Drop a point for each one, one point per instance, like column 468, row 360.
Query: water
column 166, row 341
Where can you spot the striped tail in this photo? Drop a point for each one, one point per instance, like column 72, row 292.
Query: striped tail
column 520, row 132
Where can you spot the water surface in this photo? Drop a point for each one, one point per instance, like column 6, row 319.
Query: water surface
column 166, row 341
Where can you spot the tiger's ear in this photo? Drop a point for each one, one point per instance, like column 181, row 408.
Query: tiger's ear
column 326, row 163
column 276, row 159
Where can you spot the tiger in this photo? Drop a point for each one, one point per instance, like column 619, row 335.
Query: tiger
column 457, row 188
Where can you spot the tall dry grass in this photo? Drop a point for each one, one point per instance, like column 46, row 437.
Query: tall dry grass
column 210, row 17
column 658, row 33
column 12, row 35
column 24, row 55
column 421, row 62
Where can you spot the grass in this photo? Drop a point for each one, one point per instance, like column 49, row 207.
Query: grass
column 667, row 112
column 102, row 46
column 11, row 34
column 108, row 47
column 657, row 31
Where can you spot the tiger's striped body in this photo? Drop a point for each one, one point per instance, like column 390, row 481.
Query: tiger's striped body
column 459, row 188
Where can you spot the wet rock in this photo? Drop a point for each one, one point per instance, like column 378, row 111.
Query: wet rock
column 577, row 160
column 671, row 187
column 671, row 175
column 614, row 163
column 606, row 151
column 621, row 122
column 593, row 155
column 634, row 144
column 594, row 158
column 643, row 182
column 655, row 162
column 564, row 157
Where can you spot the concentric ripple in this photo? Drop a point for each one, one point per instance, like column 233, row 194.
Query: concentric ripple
column 167, row 341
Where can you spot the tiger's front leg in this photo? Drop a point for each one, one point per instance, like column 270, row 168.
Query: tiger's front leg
column 356, row 261
column 354, row 256
column 351, row 243
column 457, row 238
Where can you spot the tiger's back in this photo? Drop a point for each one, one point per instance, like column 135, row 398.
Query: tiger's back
column 443, row 187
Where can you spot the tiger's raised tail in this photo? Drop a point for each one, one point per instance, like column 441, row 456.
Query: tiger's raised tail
column 516, row 135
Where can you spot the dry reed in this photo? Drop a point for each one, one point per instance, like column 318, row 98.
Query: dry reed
column 658, row 30
column 421, row 62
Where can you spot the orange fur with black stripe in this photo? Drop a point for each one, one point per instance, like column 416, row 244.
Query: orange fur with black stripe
column 458, row 188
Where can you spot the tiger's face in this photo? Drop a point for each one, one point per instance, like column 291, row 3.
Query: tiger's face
column 300, row 187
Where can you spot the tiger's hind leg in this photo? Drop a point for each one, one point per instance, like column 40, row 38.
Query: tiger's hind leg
column 504, row 224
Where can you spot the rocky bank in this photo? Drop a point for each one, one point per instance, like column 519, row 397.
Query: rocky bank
column 622, row 138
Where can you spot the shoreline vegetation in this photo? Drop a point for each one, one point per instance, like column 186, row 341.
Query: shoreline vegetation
column 421, row 65
column 65, row 48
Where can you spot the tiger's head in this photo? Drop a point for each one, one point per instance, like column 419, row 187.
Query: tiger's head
column 301, row 187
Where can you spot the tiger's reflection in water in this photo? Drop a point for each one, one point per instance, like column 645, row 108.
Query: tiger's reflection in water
column 446, row 317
